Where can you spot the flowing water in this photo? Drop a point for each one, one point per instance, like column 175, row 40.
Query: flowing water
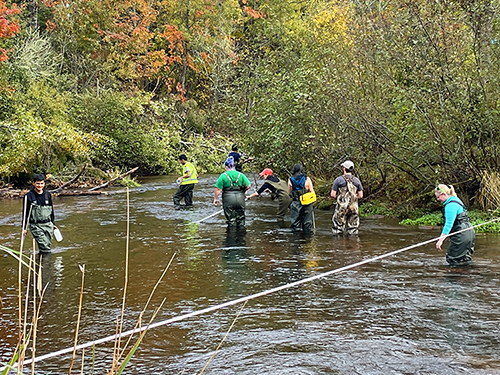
column 406, row 314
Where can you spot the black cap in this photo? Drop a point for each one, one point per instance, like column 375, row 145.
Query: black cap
column 183, row 157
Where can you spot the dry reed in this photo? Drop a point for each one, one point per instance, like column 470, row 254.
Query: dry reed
column 82, row 269
column 488, row 196
column 224, row 338
column 116, row 353
column 20, row 279
column 139, row 320
column 41, row 293
column 24, row 335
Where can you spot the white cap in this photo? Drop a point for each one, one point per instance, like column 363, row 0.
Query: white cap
column 347, row 164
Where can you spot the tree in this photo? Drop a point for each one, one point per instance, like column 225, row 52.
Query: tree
column 9, row 25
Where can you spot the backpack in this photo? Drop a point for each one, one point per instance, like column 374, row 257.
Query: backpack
column 352, row 190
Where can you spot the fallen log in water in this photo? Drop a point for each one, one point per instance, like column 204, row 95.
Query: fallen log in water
column 114, row 179
column 62, row 187
column 61, row 192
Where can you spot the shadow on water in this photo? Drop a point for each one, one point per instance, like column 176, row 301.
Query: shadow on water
column 406, row 314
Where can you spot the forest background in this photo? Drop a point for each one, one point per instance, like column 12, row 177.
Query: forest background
column 408, row 90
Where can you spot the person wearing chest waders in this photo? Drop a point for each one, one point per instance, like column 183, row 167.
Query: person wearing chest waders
column 348, row 190
column 187, row 181
column 301, row 215
column 38, row 214
column 232, row 184
column 279, row 191
column 455, row 219
column 238, row 158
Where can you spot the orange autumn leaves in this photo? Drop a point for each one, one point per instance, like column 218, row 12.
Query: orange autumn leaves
column 9, row 25
column 148, row 44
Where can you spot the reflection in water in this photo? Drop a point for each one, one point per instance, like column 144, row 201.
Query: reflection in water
column 235, row 238
column 305, row 248
column 407, row 314
column 236, row 260
column 52, row 271
column 456, row 315
column 190, row 245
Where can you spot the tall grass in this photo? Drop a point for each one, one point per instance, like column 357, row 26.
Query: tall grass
column 488, row 197
column 36, row 290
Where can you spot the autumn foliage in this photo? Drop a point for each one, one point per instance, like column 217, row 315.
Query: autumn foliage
column 9, row 26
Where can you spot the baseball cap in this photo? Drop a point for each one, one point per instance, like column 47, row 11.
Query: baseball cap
column 347, row 164
column 266, row 172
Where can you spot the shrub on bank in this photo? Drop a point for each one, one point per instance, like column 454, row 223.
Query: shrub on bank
column 476, row 217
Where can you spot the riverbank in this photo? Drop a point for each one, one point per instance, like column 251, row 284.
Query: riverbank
column 87, row 182
column 398, row 310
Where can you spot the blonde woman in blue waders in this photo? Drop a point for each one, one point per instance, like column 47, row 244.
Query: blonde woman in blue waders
column 232, row 184
column 37, row 206
column 301, row 215
column 348, row 190
column 455, row 219
column 187, row 181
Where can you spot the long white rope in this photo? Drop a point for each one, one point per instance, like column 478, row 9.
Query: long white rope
column 208, row 217
column 239, row 300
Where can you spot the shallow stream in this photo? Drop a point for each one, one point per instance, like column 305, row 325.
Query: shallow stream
column 407, row 314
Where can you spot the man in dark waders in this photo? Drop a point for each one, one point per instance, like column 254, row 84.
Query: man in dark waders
column 279, row 191
column 348, row 190
column 233, row 185
column 38, row 214
column 187, row 181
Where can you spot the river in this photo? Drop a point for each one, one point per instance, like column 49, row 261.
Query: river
column 406, row 314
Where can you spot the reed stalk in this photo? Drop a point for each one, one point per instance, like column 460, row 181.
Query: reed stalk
column 14, row 254
column 120, row 323
column 138, row 342
column 115, row 344
column 488, row 196
column 25, row 338
column 33, row 347
column 19, row 281
column 139, row 320
column 82, row 269
column 93, row 360
column 83, row 361
column 224, row 338
column 41, row 293
column 12, row 361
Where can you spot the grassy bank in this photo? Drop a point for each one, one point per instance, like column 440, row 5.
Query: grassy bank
column 432, row 216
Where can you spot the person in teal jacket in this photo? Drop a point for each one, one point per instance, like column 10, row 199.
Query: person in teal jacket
column 455, row 219
column 233, row 185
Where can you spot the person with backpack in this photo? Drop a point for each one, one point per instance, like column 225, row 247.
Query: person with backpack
column 186, row 182
column 279, row 192
column 347, row 189
column 38, row 214
column 301, row 214
column 232, row 184
column 238, row 158
column 455, row 219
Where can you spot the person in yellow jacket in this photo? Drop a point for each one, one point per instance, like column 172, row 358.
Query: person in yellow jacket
column 187, row 181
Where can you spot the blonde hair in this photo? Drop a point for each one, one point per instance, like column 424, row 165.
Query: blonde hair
column 446, row 189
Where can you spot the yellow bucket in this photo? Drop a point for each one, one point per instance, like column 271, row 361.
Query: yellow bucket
column 308, row 198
